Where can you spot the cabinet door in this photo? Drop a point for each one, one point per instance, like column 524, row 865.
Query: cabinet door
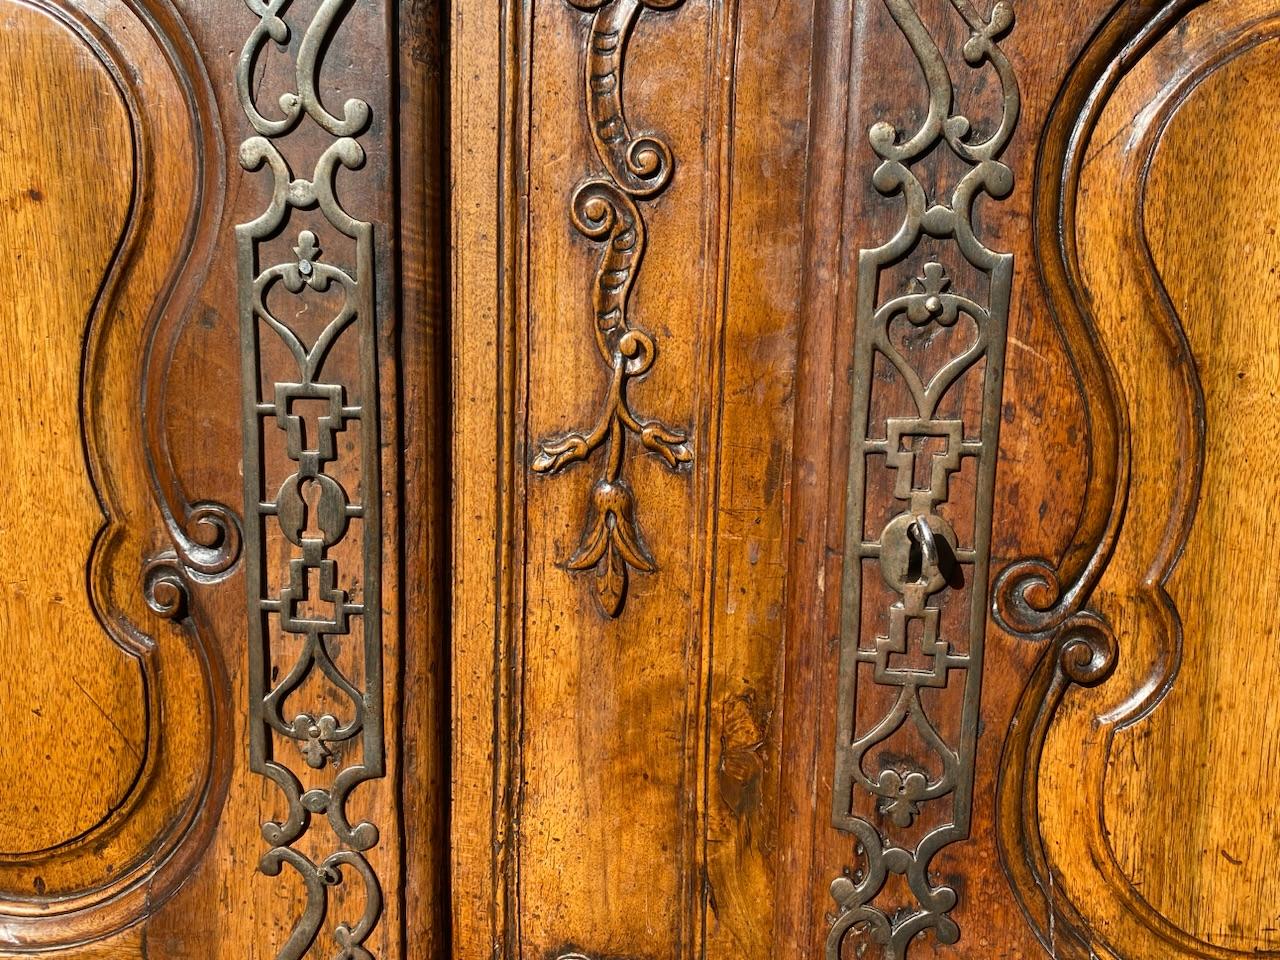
column 1045, row 328
column 640, row 479
column 216, row 416
column 871, row 402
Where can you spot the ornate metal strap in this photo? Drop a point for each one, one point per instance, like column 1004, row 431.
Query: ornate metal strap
column 301, row 603
column 903, row 778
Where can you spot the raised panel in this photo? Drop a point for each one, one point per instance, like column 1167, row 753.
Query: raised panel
column 1224, row 585
column 109, row 545
column 95, row 703
column 1154, row 841
column 226, row 272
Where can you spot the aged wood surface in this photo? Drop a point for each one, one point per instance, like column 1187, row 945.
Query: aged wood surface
column 563, row 701
column 1040, row 456
column 424, row 383
column 626, row 806
column 1225, row 582
column 108, row 689
column 601, row 272
column 123, row 186
column 1172, row 841
column 85, row 205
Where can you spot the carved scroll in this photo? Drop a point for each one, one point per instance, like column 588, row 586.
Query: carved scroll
column 133, row 69
column 604, row 209
column 311, row 591
column 1146, row 61
column 908, row 763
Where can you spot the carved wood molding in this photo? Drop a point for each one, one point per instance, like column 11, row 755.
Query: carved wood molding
column 605, row 210
column 314, row 537
column 922, row 553
column 1096, row 906
column 151, row 840
column 503, row 644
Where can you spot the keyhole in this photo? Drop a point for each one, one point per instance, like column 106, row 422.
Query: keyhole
column 312, row 510
column 929, row 554
column 311, row 494
column 915, row 560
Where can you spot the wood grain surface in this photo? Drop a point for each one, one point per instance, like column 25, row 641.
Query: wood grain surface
column 128, row 356
column 615, row 280
column 1171, row 841
column 66, row 223
column 87, row 275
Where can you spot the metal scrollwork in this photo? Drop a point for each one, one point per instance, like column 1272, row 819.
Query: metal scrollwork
column 302, row 604
column 605, row 210
column 912, row 808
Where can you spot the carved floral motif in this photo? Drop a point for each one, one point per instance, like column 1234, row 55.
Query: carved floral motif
column 639, row 167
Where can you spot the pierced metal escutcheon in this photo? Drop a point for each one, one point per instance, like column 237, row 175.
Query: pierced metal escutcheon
column 918, row 550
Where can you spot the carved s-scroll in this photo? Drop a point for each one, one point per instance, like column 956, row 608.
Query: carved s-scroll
column 1037, row 600
column 302, row 597
column 605, row 210
column 921, row 558
column 1033, row 597
column 155, row 834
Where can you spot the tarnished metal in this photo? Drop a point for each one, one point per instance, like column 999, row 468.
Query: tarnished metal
column 300, row 602
column 921, row 558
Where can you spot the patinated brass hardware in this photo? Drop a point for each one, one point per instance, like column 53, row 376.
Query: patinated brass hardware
column 308, row 594
column 922, row 560
column 918, row 550
column 901, row 814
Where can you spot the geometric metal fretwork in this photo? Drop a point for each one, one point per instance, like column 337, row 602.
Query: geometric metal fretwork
column 895, row 767
column 311, row 403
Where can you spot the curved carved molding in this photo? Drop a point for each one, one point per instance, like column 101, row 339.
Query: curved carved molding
column 1083, row 649
column 605, row 210
column 1035, row 597
column 921, row 558
column 301, row 605
column 149, row 843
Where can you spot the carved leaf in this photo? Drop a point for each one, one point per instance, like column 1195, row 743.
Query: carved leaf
column 667, row 443
column 594, row 543
column 611, row 582
column 555, row 454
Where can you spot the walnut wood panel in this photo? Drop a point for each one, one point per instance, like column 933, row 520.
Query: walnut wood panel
column 98, row 540
column 599, row 725
column 1227, row 616
column 827, row 513
column 1166, row 851
column 1032, row 511
column 263, row 906
column 105, row 690
column 128, row 357
column 630, row 728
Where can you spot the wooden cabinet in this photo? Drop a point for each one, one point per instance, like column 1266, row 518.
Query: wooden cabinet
column 640, row 479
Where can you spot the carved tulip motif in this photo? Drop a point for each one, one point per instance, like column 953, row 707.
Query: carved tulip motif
column 611, row 544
